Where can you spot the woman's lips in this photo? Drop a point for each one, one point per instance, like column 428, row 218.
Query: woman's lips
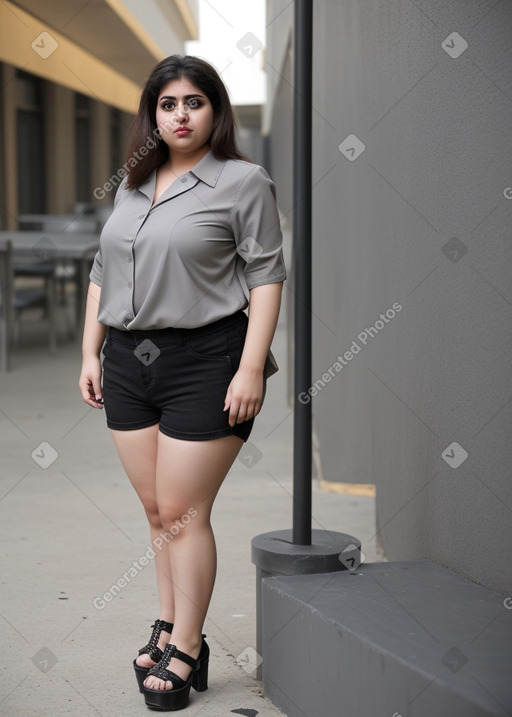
column 182, row 131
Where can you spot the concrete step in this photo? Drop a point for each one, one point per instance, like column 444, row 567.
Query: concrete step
column 397, row 639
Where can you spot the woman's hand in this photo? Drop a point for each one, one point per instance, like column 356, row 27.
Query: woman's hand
column 244, row 396
column 90, row 382
column 94, row 336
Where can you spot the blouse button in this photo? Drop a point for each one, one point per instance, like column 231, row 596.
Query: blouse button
column 129, row 260
column 129, row 284
column 141, row 216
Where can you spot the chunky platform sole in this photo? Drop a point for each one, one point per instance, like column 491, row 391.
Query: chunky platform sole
column 140, row 673
column 152, row 650
column 178, row 698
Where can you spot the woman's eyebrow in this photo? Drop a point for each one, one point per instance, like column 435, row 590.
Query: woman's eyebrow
column 186, row 97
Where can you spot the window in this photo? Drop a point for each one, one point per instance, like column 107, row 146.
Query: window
column 31, row 144
column 83, row 148
column 116, row 130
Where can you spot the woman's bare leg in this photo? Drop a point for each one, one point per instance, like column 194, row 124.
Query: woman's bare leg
column 188, row 477
column 138, row 453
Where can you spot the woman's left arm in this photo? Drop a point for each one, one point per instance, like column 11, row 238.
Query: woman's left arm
column 244, row 396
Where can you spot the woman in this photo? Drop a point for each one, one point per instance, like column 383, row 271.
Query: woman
column 193, row 240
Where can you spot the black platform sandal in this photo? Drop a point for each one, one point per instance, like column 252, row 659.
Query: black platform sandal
column 152, row 650
column 177, row 698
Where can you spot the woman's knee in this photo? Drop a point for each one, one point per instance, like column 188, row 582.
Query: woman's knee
column 152, row 513
column 175, row 518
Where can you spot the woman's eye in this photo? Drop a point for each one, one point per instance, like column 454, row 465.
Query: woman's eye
column 191, row 104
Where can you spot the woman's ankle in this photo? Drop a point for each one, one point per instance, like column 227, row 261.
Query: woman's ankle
column 164, row 639
column 189, row 644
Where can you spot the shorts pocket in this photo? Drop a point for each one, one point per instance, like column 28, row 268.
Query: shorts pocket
column 213, row 347
column 236, row 341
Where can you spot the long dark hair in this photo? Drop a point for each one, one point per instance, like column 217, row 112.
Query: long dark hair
column 145, row 134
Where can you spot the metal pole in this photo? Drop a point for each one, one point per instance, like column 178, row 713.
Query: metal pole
column 302, row 441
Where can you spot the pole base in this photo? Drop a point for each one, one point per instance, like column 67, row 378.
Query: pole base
column 275, row 554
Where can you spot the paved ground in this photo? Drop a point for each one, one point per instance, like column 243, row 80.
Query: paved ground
column 72, row 527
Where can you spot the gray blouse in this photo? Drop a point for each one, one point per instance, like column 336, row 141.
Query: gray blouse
column 193, row 256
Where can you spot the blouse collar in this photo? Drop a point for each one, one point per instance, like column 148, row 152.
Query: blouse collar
column 207, row 170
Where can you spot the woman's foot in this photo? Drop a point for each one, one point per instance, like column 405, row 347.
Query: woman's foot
column 171, row 687
column 150, row 654
column 181, row 669
column 145, row 660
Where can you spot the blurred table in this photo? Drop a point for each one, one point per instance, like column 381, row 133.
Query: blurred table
column 44, row 247
column 76, row 223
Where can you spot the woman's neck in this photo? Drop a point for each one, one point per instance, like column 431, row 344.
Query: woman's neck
column 181, row 163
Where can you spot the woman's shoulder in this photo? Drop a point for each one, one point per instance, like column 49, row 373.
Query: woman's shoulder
column 241, row 170
column 246, row 182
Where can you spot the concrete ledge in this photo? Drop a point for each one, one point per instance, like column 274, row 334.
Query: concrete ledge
column 400, row 639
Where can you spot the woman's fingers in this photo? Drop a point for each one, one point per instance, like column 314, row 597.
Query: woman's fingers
column 90, row 388
column 243, row 397
column 248, row 410
column 234, row 409
column 240, row 411
column 97, row 392
column 90, row 398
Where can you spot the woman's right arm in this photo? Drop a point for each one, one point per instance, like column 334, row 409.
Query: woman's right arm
column 94, row 335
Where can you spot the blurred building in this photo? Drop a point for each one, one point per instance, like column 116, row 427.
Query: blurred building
column 70, row 78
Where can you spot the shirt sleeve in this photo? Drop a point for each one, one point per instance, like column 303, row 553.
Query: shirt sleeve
column 257, row 230
column 96, row 273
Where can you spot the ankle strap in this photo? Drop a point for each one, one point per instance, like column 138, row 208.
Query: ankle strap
column 172, row 651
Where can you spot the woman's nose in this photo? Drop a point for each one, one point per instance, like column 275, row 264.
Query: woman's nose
column 182, row 111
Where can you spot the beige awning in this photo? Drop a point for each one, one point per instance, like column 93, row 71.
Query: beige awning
column 99, row 48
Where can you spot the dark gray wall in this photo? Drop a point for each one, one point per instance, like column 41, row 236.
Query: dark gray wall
column 420, row 218
column 278, row 111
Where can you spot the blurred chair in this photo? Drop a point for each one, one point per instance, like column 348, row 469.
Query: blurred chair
column 16, row 299
column 6, row 302
column 65, row 270
column 100, row 212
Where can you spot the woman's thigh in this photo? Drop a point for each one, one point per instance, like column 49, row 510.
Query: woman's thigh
column 190, row 473
column 138, row 451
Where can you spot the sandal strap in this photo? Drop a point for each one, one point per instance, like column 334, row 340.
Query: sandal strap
column 169, row 676
column 152, row 648
column 191, row 661
column 156, row 655
column 164, row 674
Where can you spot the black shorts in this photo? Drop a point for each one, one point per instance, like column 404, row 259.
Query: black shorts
column 177, row 378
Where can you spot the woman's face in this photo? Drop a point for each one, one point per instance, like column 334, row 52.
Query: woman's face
column 184, row 117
